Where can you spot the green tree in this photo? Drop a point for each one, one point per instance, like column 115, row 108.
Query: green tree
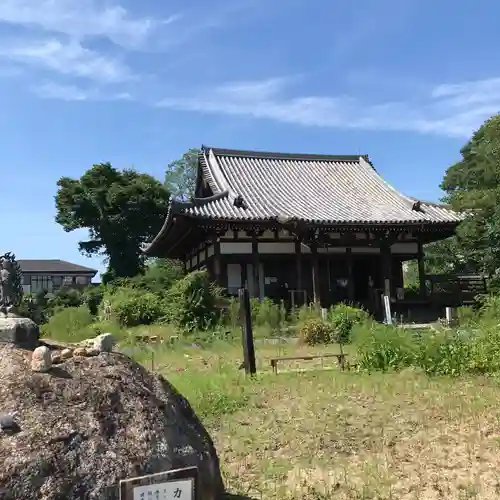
column 473, row 184
column 180, row 177
column 121, row 210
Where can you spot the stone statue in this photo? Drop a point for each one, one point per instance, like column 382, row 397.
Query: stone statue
column 10, row 283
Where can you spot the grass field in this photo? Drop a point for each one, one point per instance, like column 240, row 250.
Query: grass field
column 331, row 434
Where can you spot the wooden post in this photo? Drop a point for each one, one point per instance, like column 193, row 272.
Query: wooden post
column 298, row 263
column 217, row 262
column 350, row 275
column 421, row 270
column 387, row 268
column 246, row 325
column 315, row 274
column 255, row 266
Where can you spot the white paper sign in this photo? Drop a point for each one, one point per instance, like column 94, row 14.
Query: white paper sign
column 181, row 489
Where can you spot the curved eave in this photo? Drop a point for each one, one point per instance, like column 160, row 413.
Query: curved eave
column 176, row 208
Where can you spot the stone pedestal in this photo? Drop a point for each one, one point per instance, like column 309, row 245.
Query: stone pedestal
column 21, row 332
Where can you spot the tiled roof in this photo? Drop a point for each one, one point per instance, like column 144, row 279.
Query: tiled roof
column 47, row 266
column 251, row 185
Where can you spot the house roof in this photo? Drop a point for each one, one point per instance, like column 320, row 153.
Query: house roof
column 305, row 187
column 47, row 266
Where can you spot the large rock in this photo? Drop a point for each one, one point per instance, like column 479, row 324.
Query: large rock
column 89, row 422
column 22, row 332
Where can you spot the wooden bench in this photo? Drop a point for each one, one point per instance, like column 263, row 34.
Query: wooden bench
column 341, row 359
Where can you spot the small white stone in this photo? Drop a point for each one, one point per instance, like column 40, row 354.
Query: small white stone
column 104, row 342
column 41, row 360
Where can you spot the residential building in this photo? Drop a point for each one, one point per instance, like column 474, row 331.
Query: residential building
column 52, row 274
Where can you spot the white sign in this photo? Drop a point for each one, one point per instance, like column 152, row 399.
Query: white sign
column 179, row 484
column 181, row 489
column 387, row 309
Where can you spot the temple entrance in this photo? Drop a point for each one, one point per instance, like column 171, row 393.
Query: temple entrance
column 365, row 274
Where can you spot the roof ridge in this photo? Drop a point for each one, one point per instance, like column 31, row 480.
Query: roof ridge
column 277, row 155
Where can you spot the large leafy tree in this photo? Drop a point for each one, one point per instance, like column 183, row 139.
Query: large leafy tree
column 180, row 177
column 121, row 210
column 473, row 184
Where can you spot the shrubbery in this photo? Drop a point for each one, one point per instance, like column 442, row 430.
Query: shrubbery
column 68, row 324
column 193, row 302
column 316, row 331
column 132, row 307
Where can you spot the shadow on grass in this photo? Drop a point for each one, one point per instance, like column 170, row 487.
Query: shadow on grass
column 229, row 496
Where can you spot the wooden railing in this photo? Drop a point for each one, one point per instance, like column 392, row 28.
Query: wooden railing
column 455, row 290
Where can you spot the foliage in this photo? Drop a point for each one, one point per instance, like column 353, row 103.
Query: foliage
column 121, row 210
column 65, row 297
column 472, row 184
column 180, row 177
column 192, row 302
column 443, row 353
column 383, row 347
column 159, row 275
column 92, row 297
column 34, row 307
column 316, row 331
column 68, row 324
column 266, row 312
column 131, row 307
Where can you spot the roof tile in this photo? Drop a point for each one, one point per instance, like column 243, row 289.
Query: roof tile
column 313, row 188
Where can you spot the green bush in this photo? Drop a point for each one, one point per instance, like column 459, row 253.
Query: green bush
column 304, row 313
column 343, row 317
column 69, row 324
column 92, row 297
column 192, row 303
column 265, row 312
column 131, row 307
column 65, row 297
column 316, row 331
column 444, row 353
column 383, row 347
column 484, row 354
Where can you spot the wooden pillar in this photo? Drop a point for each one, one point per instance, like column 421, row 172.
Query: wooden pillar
column 315, row 275
column 386, row 266
column 421, row 269
column 298, row 264
column 217, row 262
column 255, row 266
column 350, row 276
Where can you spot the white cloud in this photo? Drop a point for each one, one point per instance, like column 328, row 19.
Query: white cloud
column 449, row 109
column 66, row 58
column 82, row 18
column 53, row 90
column 62, row 92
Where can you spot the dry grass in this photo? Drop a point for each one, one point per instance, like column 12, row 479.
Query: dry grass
column 328, row 434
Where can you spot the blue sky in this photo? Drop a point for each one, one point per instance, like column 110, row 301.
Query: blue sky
column 138, row 83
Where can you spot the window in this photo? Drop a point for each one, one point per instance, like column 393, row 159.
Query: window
column 41, row 283
column 68, row 280
column 82, row 280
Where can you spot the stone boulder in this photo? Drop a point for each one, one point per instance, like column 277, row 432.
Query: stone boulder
column 22, row 332
column 75, row 431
